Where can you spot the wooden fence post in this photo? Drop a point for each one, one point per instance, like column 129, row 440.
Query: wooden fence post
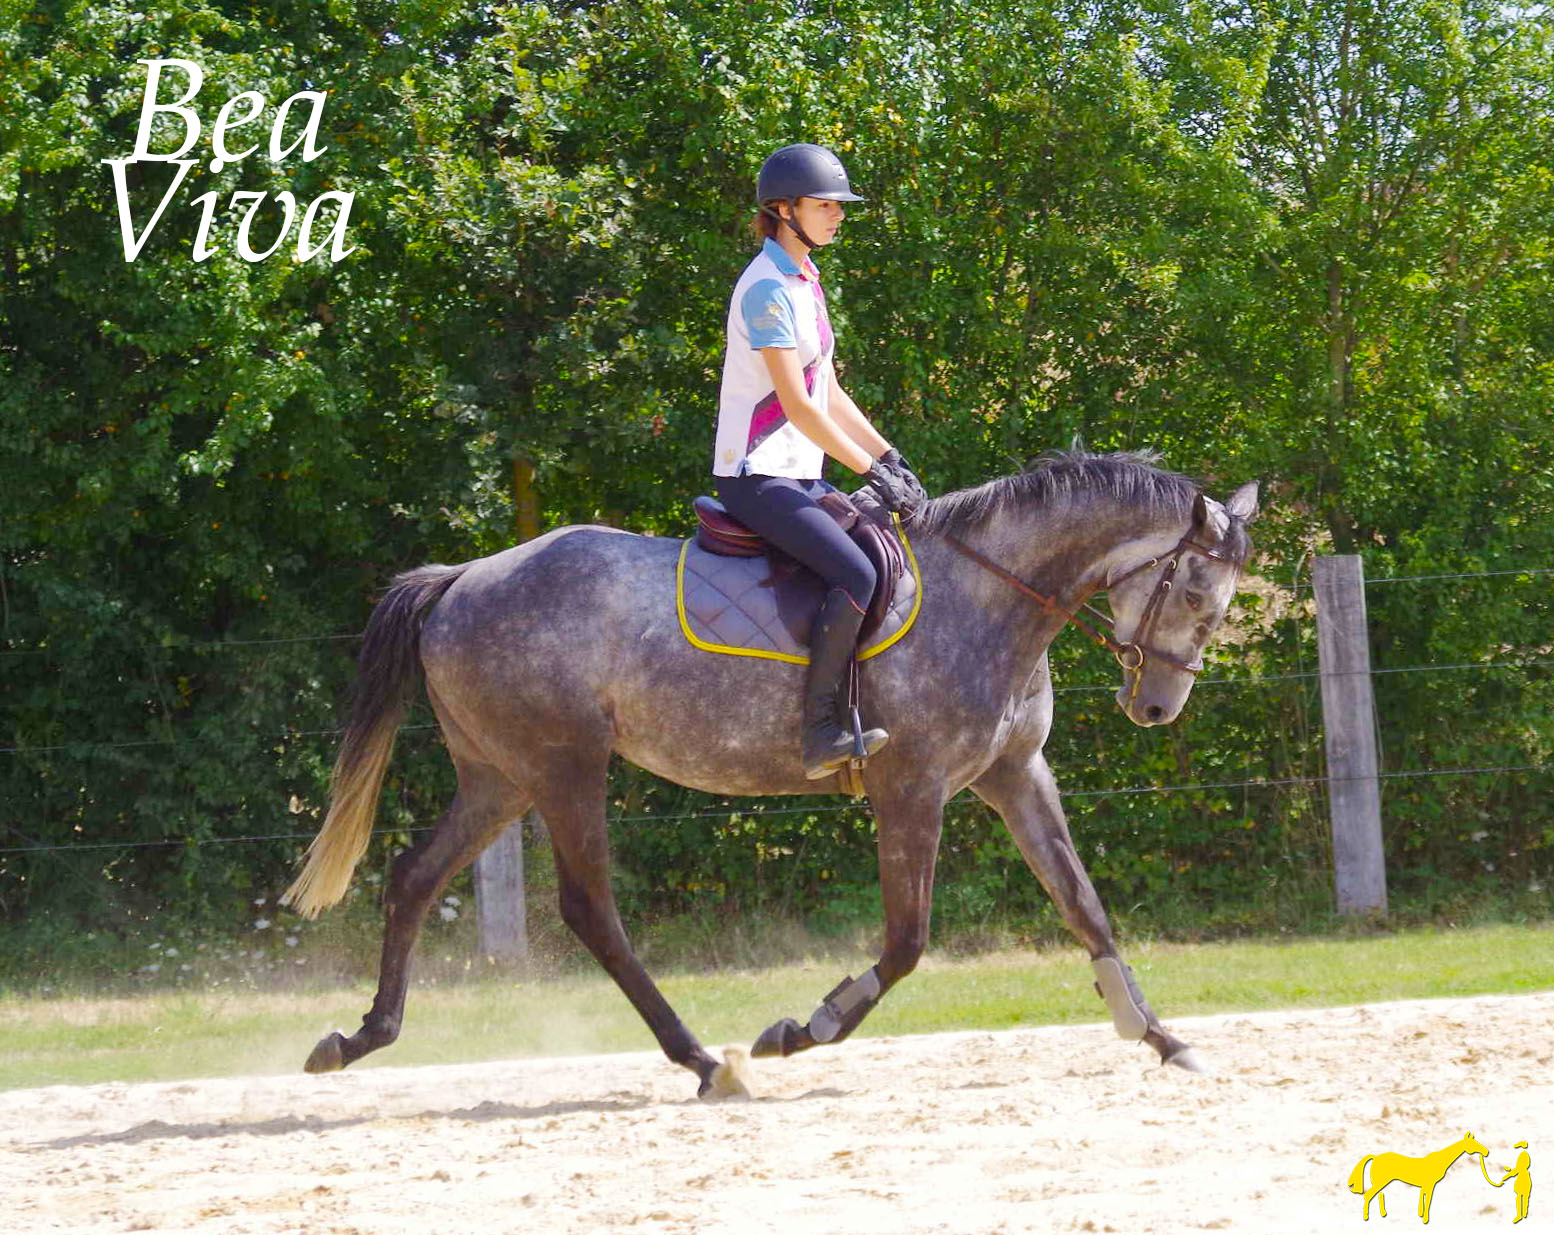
column 1349, row 725
column 501, row 930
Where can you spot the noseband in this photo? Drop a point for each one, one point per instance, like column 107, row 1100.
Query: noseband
column 1132, row 655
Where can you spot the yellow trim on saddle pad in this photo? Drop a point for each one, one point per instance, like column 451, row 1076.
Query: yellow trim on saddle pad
column 765, row 654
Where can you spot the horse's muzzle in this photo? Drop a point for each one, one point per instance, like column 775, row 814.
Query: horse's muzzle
column 1147, row 708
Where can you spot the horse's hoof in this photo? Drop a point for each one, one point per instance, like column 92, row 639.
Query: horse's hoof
column 777, row 1039
column 1190, row 1060
column 327, row 1056
column 730, row 1079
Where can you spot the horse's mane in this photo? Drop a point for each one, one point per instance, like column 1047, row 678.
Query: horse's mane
column 1066, row 478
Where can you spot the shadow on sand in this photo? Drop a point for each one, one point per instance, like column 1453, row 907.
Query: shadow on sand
column 284, row 1125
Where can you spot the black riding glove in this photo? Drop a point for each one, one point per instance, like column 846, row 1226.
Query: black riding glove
column 893, row 460
column 893, row 490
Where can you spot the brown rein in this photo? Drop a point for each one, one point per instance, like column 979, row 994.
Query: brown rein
column 1130, row 656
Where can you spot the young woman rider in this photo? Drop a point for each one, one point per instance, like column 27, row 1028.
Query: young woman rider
column 782, row 411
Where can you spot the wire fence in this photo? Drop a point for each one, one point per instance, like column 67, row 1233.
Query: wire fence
column 1277, row 782
column 1528, row 572
column 723, row 812
column 1231, row 681
column 1093, row 688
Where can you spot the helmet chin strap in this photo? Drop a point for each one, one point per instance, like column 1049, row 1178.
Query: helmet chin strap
column 791, row 224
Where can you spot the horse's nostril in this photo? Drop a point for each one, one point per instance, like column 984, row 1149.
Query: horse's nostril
column 1154, row 712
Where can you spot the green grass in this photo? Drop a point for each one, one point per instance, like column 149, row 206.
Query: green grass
column 191, row 1033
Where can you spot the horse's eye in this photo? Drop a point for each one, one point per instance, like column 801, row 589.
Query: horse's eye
column 1195, row 600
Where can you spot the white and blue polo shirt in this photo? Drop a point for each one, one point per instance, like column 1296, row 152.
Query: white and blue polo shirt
column 776, row 303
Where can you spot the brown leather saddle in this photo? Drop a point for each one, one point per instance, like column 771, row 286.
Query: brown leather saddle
column 799, row 591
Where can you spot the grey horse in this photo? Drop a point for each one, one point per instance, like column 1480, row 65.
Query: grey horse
column 542, row 660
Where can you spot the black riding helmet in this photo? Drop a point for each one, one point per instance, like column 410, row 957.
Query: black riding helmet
column 801, row 170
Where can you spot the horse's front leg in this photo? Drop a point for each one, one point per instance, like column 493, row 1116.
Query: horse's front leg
column 909, row 822
column 1021, row 788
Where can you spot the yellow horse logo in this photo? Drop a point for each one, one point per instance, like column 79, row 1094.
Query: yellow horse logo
column 1424, row 1173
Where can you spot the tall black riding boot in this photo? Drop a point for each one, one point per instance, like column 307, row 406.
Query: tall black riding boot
column 828, row 738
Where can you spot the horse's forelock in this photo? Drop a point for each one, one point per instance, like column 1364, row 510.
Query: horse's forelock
column 1229, row 533
column 1237, row 545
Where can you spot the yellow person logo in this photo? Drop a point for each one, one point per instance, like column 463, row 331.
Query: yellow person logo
column 1426, row 1172
column 1522, row 1173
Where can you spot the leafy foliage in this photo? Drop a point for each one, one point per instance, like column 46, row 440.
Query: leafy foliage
column 1307, row 243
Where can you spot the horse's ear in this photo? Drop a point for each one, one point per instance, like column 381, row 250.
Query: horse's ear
column 1243, row 503
column 1209, row 519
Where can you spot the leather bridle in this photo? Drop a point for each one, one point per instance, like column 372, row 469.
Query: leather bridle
column 1131, row 655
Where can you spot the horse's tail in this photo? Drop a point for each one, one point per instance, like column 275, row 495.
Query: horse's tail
column 1357, row 1176
column 389, row 670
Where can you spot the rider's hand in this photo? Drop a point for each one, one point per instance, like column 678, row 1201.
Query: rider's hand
column 892, row 459
column 893, row 489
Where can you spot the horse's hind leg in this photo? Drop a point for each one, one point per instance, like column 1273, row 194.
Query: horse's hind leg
column 1021, row 788
column 573, row 806
column 1380, row 1200
column 486, row 803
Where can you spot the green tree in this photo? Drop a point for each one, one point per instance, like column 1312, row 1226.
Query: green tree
column 1305, row 243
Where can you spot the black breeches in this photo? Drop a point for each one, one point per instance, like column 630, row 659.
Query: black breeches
column 785, row 512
